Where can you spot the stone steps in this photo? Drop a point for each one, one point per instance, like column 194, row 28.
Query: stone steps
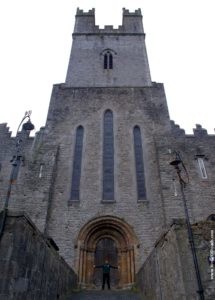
column 105, row 295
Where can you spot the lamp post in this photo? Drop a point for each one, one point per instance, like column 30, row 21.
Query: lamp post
column 175, row 163
column 16, row 160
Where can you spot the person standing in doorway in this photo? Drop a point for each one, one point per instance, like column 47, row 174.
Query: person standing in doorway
column 106, row 273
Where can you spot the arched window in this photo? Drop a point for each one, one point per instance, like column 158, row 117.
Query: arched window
column 76, row 173
column 139, row 164
column 108, row 59
column 108, row 157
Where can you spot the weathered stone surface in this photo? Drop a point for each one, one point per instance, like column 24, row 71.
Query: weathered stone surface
column 169, row 272
column 105, row 295
column 30, row 266
column 87, row 55
column 43, row 186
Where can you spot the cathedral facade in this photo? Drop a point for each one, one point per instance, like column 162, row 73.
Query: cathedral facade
column 97, row 177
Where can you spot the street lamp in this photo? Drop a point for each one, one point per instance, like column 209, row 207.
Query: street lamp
column 16, row 160
column 175, row 163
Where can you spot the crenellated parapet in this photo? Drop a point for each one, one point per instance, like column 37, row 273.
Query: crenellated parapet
column 199, row 131
column 137, row 12
column 4, row 131
column 131, row 23
column 90, row 12
column 8, row 142
column 176, row 130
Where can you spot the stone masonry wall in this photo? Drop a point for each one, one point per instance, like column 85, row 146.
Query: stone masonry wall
column 45, row 195
column 71, row 107
column 32, row 190
column 43, row 185
column 30, row 265
column 199, row 192
column 7, row 151
column 127, row 45
column 169, row 273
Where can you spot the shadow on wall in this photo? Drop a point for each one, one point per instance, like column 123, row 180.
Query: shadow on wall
column 169, row 273
column 30, row 265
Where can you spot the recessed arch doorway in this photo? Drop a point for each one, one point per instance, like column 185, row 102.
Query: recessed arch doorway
column 106, row 249
column 108, row 238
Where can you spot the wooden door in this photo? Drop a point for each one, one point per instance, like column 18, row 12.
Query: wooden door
column 106, row 249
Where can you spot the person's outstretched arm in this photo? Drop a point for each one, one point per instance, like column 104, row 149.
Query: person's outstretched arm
column 96, row 267
column 113, row 267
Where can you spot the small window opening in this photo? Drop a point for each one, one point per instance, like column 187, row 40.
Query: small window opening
column 202, row 168
column 41, row 171
column 108, row 61
column 174, row 188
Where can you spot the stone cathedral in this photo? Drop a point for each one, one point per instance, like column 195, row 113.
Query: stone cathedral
column 96, row 183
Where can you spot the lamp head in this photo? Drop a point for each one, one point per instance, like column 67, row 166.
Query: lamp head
column 28, row 126
column 176, row 161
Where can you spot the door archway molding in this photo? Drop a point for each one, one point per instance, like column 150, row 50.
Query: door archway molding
column 123, row 235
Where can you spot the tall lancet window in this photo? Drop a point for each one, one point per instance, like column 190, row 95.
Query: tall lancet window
column 105, row 61
column 139, row 164
column 108, row 157
column 76, row 173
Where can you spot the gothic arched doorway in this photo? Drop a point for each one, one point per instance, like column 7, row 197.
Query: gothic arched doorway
column 108, row 238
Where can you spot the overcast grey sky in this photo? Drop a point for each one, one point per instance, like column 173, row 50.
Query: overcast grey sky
column 36, row 42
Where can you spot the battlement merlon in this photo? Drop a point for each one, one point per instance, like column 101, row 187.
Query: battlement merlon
column 131, row 23
column 136, row 13
column 4, row 131
column 80, row 12
column 84, row 21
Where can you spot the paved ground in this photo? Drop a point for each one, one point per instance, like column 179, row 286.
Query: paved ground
column 104, row 295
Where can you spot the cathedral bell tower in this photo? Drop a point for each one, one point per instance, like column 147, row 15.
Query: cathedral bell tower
column 108, row 57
